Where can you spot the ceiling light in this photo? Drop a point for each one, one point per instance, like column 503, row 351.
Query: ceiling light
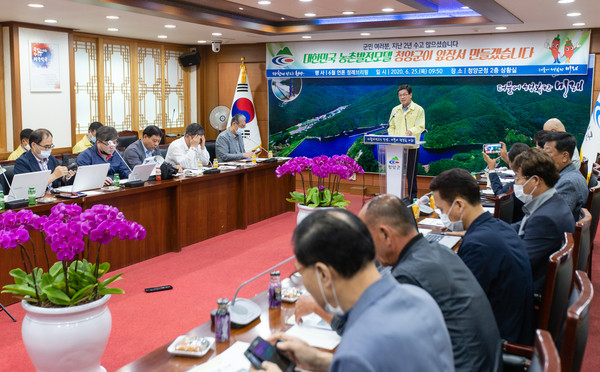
column 349, row 12
column 112, row 29
column 365, row 34
column 429, row 31
column 566, row 1
column 309, row 14
column 162, row 36
column 112, row 17
column 35, row 5
column 387, row 10
column 574, row 14
column 305, row 1
column 240, row 8
column 50, row 21
column 217, row 34
column 282, row 17
column 500, row 28
column 201, row 41
column 264, row 2
column 579, row 24
column 307, row 37
column 170, row 26
column 465, row 7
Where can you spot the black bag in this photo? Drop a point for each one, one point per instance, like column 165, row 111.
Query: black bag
column 167, row 171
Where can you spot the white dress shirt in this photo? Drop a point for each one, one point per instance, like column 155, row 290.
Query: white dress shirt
column 188, row 157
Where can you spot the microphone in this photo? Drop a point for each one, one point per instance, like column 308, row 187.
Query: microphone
column 173, row 116
column 112, row 144
column 257, row 144
column 243, row 311
column 3, row 171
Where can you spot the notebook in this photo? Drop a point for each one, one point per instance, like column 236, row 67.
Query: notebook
column 88, row 177
column 23, row 181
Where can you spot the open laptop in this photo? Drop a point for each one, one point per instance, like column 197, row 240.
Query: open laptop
column 88, row 177
column 448, row 241
column 141, row 172
column 23, row 181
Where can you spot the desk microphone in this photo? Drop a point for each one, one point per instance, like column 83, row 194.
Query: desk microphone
column 243, row 311
column 257, row 144
column 111, row 143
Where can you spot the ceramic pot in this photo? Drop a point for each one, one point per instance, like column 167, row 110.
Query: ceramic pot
column 67, row 338
column 304, row 211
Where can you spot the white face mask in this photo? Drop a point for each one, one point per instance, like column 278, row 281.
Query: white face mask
column 452, row 225
column 241, row 131
column 330, row 309
column 520, row 194
column 27, row 147
column 45, row 154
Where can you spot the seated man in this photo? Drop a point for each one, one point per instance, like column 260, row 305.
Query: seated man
column 230, row 145
column 547, row 215
column 539, row 138
column 24, row 146
column 433, row 267
column 493, row 252
column 571, row 185
column 555, row 125
column 88, row 140
column 497, row 185
column 190, row 151
column 104, row 152
column 146, row 147
column 40, row 158
column 334, row 253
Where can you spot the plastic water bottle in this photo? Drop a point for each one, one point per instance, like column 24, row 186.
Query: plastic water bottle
column 2, row 206
column 270, row 154
column 222, row 321
column 275, row 291
column 116, row 180
column 215, row 163
column 158, row 175
column 31, row 194
column 253, row 158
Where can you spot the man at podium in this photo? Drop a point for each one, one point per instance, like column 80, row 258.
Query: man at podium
column 408, row 119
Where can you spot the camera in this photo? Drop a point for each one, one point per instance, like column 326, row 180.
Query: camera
column 216, row 46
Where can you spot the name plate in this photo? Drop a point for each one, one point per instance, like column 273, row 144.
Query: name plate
column 373, row 139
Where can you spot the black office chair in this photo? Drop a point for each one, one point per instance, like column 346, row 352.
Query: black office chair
column 593, row 206
column 504, row 206
column 212, row 151
column 123, row 142
column 542, row 357
column 581, row 238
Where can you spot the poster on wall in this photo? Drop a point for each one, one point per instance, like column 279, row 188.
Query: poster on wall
column 44, row 67
column 563, row 52
column 311, row 117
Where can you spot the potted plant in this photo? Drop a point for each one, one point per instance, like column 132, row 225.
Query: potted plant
column 67, row 321
column 324, row 177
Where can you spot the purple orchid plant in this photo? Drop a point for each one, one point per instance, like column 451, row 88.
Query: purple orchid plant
column 69, row 232
column 324, row 177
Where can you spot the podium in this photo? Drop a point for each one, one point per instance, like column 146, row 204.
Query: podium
column 392, row 154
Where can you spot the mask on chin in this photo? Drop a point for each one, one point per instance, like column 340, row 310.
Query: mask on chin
column 452, row 225
column 27, row 147
column 93, row 139
column 111, row 149
column 337, row 310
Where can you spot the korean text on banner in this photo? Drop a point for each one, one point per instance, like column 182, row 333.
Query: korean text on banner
column 243, row 104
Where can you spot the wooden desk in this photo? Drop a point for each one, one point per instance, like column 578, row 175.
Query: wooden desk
column 271, row 321
column 177, row 213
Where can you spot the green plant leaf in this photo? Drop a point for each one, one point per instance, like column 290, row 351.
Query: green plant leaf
column 106, row 291
column 326, row 199
column 19, row 289
column 56, row 296
column 110, row 280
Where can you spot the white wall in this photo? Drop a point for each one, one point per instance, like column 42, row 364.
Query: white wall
column 193, row 97
column 7, row 89
column 50, row 110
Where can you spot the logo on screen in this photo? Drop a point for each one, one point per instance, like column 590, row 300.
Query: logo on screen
column 597, row 114
column 283, row 58
column 394, row 160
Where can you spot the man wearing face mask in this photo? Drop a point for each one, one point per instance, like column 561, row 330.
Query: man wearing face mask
column 104, row 152
column 547, row 215
column 493, row 252
column 88, row 140
column 40, row 158
column 230, row 144
column 334, row 253
column 24, row 146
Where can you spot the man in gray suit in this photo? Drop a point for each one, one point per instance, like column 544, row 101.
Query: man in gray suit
column 143, row 148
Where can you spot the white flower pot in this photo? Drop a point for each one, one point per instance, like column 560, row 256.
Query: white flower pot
column 65, row 339
column 304, row 211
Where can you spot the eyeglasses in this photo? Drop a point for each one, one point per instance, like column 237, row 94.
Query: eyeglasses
column 403, row 95
column 47, row 147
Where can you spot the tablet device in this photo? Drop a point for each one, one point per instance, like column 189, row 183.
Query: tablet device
column 142, row 172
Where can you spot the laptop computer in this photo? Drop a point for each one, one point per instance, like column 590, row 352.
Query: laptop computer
column 141, row 172
column 23, row 181
column 88, row 177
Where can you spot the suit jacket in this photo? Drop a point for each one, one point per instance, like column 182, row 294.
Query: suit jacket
column 91, row 156
column 543, row 234
column 572, row 187
column 27, row 163
column 136, row 153
column 500, row 189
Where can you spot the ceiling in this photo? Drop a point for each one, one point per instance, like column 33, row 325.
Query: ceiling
column 196, row 21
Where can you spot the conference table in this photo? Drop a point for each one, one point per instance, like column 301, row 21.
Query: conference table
column 177, row 213
column 271, row 321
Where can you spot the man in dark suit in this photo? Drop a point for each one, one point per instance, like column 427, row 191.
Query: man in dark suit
column 547, row 215
column 40, row 158
column 145, row 147
column 493, row 252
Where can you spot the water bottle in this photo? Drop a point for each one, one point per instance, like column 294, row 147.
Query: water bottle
column 2, row 206
column 158, row 175
column 215, row 163
column 431, row 202
column 253, row 158
column 222, row 321
column 275, row 291
column 31, row 194
column 116, row 180
column 270, row 154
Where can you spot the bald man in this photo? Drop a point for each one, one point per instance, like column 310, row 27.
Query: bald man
column 555, row 125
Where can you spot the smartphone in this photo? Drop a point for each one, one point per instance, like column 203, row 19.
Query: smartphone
column 260, row 351
column 492, row 148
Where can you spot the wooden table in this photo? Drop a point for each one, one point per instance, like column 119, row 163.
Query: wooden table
column 177, row 213
column 271, row 321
